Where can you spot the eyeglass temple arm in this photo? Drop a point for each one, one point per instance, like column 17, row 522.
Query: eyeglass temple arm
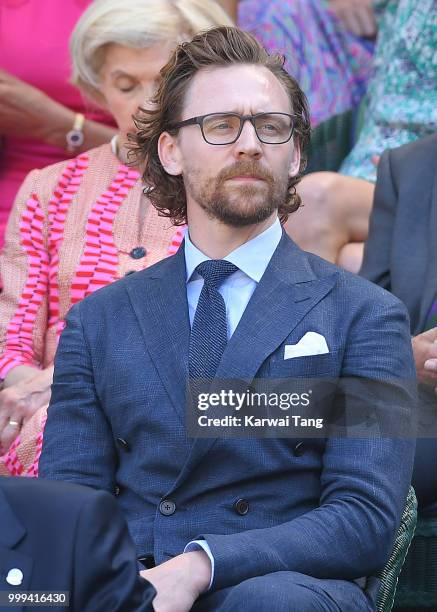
column 192, row 121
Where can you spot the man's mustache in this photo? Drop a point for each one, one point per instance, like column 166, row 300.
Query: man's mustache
column 245, row 169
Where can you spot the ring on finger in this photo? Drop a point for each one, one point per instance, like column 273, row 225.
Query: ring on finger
column 13, row 423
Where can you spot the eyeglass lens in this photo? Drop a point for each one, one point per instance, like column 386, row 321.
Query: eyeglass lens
column 271, row 128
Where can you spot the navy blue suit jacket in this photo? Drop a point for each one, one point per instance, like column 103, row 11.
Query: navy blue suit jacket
column 401, row 249
column 69, row 538
column 116, row 421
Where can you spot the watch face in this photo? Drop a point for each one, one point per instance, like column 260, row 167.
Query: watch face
column 74, row 138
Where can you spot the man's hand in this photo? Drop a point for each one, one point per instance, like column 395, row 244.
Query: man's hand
column 356, row 16
column 20, row 401
column 180, row 581
column 425, row 356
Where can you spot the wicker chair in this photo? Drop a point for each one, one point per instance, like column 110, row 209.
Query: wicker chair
column 333, row 139
column 417, row 586
column 390, row 574
column 330, row 142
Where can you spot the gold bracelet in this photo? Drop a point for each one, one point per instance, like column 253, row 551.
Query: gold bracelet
column 75, row 136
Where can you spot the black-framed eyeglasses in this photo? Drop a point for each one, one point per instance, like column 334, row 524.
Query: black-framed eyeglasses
column 225, row 128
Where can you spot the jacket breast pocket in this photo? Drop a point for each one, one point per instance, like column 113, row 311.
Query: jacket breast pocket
column 310, row 366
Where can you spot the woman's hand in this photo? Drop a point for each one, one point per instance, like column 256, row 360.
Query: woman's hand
column 20, row 401
column 27, row 112
column 357, row 16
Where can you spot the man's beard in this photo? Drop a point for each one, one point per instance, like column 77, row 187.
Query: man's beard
column 238, row 205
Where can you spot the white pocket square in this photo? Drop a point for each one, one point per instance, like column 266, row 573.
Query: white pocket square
column 311, row 343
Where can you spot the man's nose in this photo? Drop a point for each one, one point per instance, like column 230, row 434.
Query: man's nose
column 248, row 143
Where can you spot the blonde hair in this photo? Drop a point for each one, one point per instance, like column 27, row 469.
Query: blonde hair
column 137, row 24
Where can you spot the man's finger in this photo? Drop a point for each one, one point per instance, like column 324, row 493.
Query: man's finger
column 425, row 339
column 430, row 352
column 430, row 365
column 428, row 378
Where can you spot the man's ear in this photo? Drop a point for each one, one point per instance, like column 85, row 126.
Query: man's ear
column 169, row 154
column 295, row 161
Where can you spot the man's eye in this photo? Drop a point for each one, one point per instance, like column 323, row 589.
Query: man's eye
column 223, row 125
column 269, row 127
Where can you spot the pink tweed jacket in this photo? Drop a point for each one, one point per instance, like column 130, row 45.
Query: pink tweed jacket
column 75, row 226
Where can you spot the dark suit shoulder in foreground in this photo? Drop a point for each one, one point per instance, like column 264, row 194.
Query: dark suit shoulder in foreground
column 66, row 537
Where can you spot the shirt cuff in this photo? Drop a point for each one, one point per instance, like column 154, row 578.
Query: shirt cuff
column 202, row 545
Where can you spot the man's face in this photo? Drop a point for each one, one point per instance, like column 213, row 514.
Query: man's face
column 242, row 183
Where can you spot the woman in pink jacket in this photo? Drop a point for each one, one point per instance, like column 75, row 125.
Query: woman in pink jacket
column 81, row 224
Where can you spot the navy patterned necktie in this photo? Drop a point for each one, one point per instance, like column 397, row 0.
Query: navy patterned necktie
column 209, row 330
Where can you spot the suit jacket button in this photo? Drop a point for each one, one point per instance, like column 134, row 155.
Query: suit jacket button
column 241, row 507
column 14, row 577
column 299, row 449
column 138, row 253
column 124, row 445
column 167, row 507
column 116, row 491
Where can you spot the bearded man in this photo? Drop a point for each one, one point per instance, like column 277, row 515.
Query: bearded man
column 285, row 522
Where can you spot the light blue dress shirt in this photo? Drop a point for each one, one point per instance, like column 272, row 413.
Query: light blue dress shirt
column 251, row 259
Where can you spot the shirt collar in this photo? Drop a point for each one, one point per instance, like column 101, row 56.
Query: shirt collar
column 252, row 257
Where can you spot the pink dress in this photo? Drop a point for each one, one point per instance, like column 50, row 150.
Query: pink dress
column 34, row 37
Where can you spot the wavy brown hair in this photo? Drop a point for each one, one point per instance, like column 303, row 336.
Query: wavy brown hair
column 222, row 46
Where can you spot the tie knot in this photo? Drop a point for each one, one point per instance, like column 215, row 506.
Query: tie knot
column 215, row 271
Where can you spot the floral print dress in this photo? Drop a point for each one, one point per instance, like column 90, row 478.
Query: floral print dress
column 331, row 65
column 402, row 95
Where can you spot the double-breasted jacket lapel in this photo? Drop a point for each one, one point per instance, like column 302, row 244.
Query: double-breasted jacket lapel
column 288, row 290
